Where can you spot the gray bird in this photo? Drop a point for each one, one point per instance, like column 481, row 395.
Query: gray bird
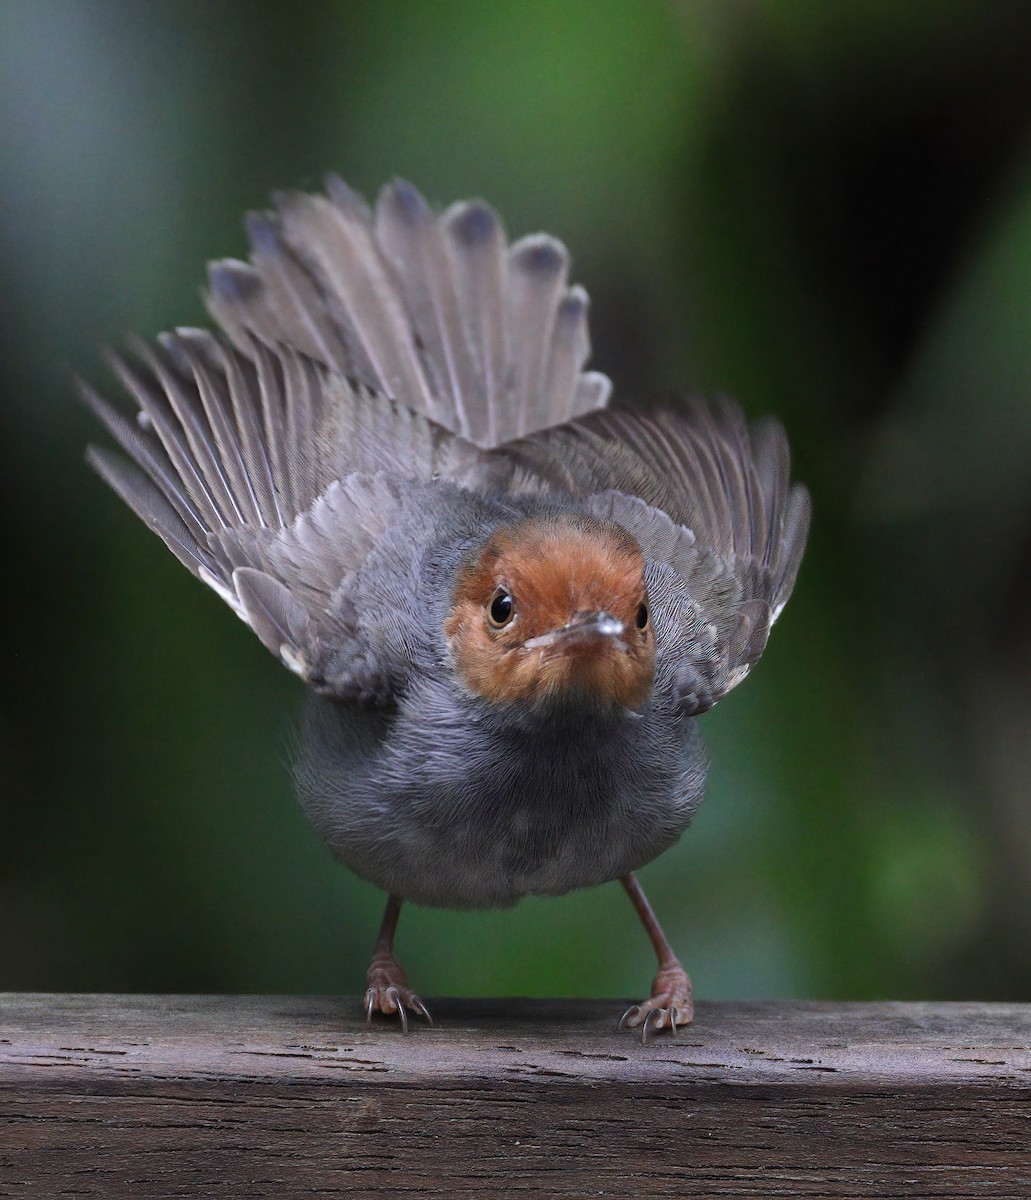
column 507, row 600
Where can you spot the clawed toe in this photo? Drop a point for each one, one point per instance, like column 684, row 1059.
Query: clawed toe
column 670, row 1003
column 654, row 1015
column 389, row 992
column 669, row 1006
column 392, row 1000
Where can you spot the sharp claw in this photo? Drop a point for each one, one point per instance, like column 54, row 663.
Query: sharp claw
column 394, row 997
column 652, row 1022
column 633, row 1011
column 421, row 1009
column 673, row 1020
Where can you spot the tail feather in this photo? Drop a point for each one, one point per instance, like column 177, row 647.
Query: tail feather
column 476, row 245
column 570, row 345
column 338, row 249
column 413, row 241
column 428, row 309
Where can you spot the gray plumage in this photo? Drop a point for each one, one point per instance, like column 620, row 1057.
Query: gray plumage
column 390, row 388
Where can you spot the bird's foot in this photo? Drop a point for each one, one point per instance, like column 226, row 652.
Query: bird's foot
column 389, row 993
column 669, row 1006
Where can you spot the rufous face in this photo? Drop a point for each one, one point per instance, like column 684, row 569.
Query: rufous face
column 555, row 606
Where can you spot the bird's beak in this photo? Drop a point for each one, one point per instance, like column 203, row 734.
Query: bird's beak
column 585, row 629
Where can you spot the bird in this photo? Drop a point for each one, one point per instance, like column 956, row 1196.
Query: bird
column 509, row 599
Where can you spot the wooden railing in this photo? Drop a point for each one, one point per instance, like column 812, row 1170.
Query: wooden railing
column 199, row 1096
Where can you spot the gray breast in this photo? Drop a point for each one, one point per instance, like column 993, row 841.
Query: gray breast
column 455, row 803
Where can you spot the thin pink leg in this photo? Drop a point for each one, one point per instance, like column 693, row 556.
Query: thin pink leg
column 670, row 1003
column 388, row 990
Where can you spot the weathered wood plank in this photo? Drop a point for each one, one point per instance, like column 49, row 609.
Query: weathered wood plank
column 282, row 1096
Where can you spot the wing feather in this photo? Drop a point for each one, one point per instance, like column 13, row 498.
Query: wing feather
column 269, row 478
column 152, row 507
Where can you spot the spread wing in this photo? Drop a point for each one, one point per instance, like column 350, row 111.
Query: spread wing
column 364, row 351
column 233, row 464
column 709, row 499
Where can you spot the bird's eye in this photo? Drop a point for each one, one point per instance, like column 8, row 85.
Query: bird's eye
column 502, row 609
column 642, row 617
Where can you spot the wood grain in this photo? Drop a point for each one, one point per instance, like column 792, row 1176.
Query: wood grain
column 286, row 1096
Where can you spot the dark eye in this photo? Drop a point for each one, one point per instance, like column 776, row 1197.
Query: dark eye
column 502, row 609
column 642, row 617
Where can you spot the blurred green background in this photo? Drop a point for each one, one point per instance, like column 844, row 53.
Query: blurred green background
column 824, row 209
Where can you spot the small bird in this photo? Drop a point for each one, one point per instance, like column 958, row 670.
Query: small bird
column 509, row 602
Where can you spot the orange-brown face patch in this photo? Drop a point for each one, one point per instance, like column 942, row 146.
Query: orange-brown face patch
column 556, row 569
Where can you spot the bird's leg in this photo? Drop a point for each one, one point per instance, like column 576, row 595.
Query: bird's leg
column 670, row 1003
column 388, row 985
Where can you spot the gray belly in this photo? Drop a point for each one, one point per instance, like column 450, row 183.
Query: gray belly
column 444, row 804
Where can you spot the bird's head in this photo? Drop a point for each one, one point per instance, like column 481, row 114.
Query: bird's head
column 552, row 608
